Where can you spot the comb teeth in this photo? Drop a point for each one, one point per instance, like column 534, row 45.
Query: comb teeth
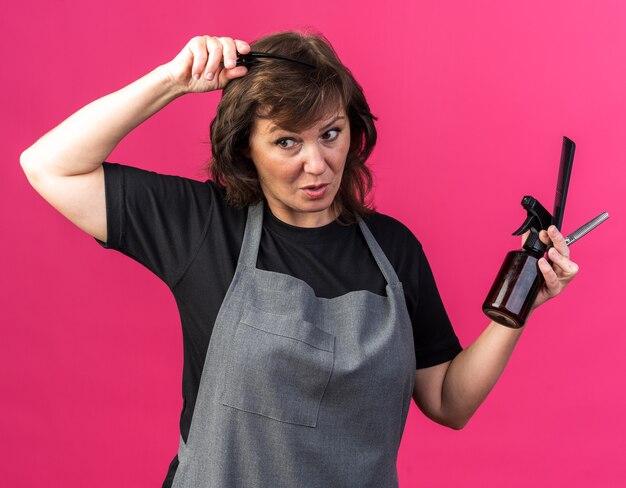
column 585, row 229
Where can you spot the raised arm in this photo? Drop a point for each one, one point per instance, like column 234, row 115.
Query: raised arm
column 65, row 165
column 451, row 392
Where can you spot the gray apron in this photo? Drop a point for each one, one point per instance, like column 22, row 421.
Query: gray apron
column 300, row 391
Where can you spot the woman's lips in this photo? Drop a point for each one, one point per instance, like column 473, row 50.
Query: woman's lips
column 315, row 191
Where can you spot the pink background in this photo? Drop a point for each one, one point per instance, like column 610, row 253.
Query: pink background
column 473, row 99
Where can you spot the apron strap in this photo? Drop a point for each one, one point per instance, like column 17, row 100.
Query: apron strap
column 252, row 236
column 381, row 259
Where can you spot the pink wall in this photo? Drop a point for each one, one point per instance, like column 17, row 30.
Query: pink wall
column 472, row 98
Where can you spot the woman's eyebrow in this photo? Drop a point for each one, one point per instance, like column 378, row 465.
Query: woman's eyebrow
column 327, row 126
column 274, row 128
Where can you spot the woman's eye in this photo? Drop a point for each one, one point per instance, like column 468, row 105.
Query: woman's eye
column 331, row 135
column 285, row 143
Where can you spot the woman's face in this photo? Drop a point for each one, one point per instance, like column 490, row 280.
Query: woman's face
column 300, row 172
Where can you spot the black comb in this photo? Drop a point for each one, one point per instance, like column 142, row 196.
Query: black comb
column 253, row 56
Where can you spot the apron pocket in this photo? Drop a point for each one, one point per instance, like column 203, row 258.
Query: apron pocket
column 279, row 368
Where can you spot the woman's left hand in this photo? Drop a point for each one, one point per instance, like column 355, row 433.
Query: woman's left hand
column 562, row 271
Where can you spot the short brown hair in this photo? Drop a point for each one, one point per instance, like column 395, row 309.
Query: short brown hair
column 294, row 96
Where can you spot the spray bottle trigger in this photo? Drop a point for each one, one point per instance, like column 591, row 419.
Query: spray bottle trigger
column 528, row 224
column 537, row 218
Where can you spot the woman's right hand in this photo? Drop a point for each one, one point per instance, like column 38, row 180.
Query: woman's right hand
column 207, row 63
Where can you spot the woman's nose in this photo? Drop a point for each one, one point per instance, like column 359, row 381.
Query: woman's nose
column 314, row 160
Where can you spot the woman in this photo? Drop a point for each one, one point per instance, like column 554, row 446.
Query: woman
column 309, row 321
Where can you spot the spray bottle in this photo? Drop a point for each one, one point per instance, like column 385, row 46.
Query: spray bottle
column 517, row 284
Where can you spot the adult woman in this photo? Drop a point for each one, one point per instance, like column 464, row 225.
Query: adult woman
column 302, row 347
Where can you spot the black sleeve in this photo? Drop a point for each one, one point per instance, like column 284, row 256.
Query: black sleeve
column 434, row 337
column 157, row 220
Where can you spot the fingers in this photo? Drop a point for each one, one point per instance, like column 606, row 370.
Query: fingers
column 558, row 275
column 549, row 276
column 559, row 253
column 563, row 269
column 229, row 52
column 223, row 52
column 212, row 54
column 200, row 56
column 215, row 49
column 558, row 240
column 242, row 46
column 567, row 266
column 551, row 235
